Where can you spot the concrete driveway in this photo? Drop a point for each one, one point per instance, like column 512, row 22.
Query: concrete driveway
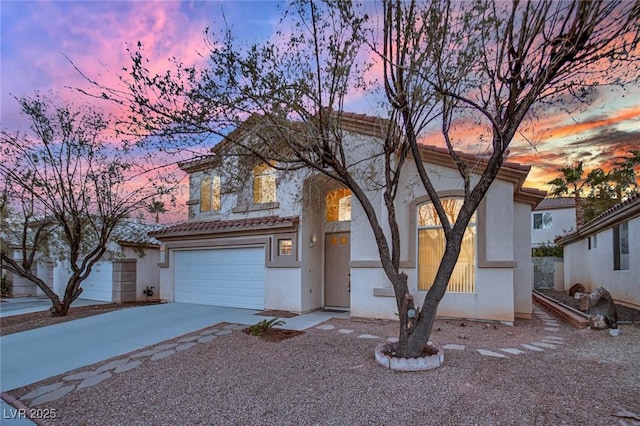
column 35, row 355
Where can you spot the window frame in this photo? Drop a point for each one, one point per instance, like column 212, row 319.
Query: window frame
column 467, row 288
column 264, row 185
column 334, row 208
column 210, row 185
column 542, row 224
column 621, row 247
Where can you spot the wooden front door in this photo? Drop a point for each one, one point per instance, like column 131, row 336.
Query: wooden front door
column 337, row 277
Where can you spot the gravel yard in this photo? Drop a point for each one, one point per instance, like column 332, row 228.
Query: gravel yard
column 329, row 377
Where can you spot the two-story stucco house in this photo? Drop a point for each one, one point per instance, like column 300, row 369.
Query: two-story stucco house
column 553, row 217
column 297, row 241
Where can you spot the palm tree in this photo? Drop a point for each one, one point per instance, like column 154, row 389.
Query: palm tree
column 572, row 183
column 156, row 207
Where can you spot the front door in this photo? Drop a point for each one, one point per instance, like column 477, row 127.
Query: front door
column 337, row 277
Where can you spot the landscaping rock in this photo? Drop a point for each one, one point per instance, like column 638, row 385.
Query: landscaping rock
column 602, row 310
column 584, row 301
column 577, row 287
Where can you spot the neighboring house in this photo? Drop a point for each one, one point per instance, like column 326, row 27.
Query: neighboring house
column 553, row 217
column 605, row 252
column 129, row 266
column 297, row 241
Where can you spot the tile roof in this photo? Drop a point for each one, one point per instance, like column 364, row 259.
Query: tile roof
column 633, row 198
column 233, row 225
column 625, row 210
column 557, row 203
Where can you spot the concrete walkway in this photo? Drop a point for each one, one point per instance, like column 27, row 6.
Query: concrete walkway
column 35, row 355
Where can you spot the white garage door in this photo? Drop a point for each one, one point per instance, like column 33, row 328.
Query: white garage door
column 99, row 284
column 232, row 277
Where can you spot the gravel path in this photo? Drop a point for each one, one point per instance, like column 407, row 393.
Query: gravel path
column 327, row 376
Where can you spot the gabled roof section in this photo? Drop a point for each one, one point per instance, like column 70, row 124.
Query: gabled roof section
column 626, row 210
column 510, row 171
column 357, row 123
column 189, row 229
column 552, row 203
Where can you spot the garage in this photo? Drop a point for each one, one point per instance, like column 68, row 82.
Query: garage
column 231, row 277
column 99, row 283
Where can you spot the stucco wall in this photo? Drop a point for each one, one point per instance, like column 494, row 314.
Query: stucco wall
column 494, row 298
column 523, row 272
column 147, row 271
column 282, row 289
column 562, row 221
column 594, row 268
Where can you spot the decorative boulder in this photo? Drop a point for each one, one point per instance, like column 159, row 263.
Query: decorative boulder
column 576, row 288
column 602, row 310
column 584, row 302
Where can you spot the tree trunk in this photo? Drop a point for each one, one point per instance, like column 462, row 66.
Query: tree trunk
column 579, row 211
column 419, row 334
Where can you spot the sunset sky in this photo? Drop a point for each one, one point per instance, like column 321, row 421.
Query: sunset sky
column 36, row 37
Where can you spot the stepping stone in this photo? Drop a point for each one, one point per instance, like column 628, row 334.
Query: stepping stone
column 553, row 342
column 325, row 327
column 490, row 353
column 453, row 346
column 345, row 331
column 393, row 339
column 544, row 345
column 52, row 396
column 368, row 336
column 211, row 331
column 185, row 346
column 165, row 346
column 224, row 332
column 532, row 348
column 42, row 390
column 206, row 339
column 113, row 364
column 145, row 353
column 91, row 381
column 553, row 338
column 81, row 376
column 189, row 339
column 161, row 355
column 512, row 351
column 127, row 367
column 552, row 329
column 233, row 327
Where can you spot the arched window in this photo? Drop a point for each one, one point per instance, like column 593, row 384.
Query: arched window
column 431, row 245
column 338, row 205
column 264, row 184
column 210, row 194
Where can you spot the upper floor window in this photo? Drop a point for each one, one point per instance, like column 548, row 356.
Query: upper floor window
column 542, row 221
column 431, row 245
column 210, row 194
column 338, row 205
column 264, row 184
column 621, row 247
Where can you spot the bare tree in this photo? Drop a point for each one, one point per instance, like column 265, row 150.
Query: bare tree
column 70, row 182
column 445, row 66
